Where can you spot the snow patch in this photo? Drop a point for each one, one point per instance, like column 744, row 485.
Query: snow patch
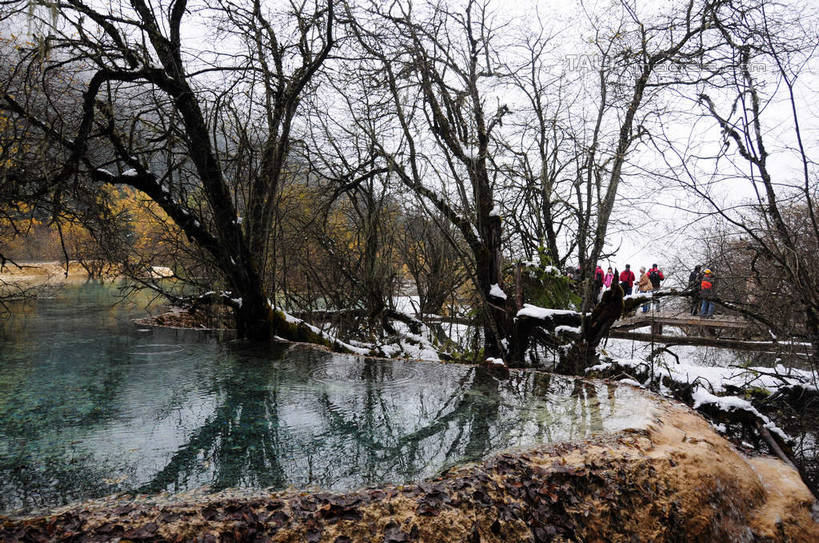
column 734, row 403
column 599, row 367
column 536, row 312
column 475, row 231
column 724, row 403
column 497, row 292
column 406, row 304
column 726, row 371
column 632, row 382
column 413, row 346
column 294, row 320
column 161, row 272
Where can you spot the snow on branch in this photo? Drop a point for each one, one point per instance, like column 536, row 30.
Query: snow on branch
column 496, row 292
column 549, row 318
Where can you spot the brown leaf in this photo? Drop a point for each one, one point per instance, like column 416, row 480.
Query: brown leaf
column 123, row 510
column 279, row 518
column 377, row 495
column 210, row 512
column 167, row 516
column 145, row 531
column 394, row 534
column 307, row 504
column 109, row 528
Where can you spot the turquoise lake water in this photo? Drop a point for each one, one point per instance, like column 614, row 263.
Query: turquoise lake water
column 92, row 404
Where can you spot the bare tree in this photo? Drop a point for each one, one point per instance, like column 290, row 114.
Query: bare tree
column 345, row 243
column 426, row 248
column 205, row 135
column 775, row 225
column 427, row 106
column 424, row 112
column 540, row 177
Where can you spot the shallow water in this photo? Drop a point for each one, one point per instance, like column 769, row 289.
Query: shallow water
column 91, row 404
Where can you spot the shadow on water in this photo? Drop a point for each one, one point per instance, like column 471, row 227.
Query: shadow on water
column 96, row 406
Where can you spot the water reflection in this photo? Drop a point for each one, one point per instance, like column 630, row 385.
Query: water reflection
column 91, row 406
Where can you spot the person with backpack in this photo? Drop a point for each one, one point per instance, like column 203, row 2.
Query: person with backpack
column 707, row 286
column 627, row 279
column 694, row 280
column 656, row 276
column 598, row 281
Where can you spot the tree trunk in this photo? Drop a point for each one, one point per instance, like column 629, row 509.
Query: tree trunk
column 497, row 318
column 254, row 319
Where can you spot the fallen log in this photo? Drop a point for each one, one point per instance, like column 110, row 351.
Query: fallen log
column 743, row 345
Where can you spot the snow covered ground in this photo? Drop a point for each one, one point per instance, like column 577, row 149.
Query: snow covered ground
column 714, row 373
column 713, row 367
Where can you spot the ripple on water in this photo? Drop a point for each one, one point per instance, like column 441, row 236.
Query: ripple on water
column 357, row 375
column 156, row 349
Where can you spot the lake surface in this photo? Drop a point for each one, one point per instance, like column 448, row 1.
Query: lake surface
column 92, row 404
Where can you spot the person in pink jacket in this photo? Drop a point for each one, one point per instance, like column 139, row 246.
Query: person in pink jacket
column 608, row 279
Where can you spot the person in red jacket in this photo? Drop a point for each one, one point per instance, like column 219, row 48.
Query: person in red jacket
column 627, row 279
column 707, row 294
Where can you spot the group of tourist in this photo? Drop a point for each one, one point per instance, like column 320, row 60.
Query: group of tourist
column 701, row 281
column 648, row 281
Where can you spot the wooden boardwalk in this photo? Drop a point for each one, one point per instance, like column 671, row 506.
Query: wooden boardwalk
column 682, row 321
column 700, row 331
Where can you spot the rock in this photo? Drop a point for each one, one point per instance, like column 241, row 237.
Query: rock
column 496, row 367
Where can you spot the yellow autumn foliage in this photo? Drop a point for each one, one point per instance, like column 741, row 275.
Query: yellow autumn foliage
column 26, row 236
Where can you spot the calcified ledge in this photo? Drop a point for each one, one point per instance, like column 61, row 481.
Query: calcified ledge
column 677, row 480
